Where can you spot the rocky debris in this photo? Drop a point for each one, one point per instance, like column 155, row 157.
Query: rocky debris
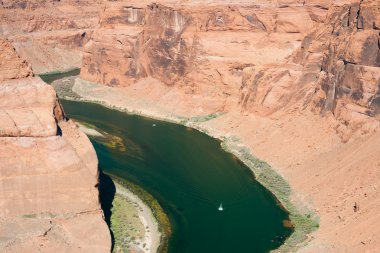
column 11, row 65
column 48, row 170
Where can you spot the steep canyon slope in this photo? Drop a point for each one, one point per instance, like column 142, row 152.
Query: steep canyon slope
column 49, row 33
column 48, row 169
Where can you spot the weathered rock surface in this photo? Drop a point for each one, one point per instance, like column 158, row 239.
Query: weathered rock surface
column 11, row 65
column 26, row 108
column 179, row 44
column 206, row 52
column 48, row 170
column 49, row 34
column 348, row 71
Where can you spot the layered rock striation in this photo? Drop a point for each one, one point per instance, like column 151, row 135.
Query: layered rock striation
column 48, row 169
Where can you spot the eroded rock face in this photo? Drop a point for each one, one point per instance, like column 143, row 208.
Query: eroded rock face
column 335, row 70
column 27, row 108
column 170, row 42
column 350, row 69
column 50, row 33
column 11, row 65
column 48, row 170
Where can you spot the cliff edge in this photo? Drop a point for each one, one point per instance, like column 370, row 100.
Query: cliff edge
column 48, row 169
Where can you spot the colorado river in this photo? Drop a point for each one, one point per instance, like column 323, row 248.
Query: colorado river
column 190, row 175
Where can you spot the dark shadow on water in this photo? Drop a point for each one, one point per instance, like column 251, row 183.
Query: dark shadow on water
column 107, row 191
column 51, row 77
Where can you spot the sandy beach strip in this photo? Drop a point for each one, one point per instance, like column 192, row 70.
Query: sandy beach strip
column 152, row 235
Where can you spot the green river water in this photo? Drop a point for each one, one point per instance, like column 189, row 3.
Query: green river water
column 190, row 175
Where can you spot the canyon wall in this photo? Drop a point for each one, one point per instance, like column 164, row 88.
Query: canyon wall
column 48, row 169
column 49, row 33
column 197, row 48
column 264, row 57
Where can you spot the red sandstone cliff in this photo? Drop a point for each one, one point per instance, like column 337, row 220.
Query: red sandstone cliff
column 48, row 169
column 49, row 33
column 11, row 65
column 247, row 52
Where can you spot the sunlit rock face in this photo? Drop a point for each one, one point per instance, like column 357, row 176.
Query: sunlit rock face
column 265, row 57
column 11, row 65
column 261, row 61
column 350, row 67
column 48, row 169
column 336, row 69
column 177, row 43
column 138, row 42
column 50, row 33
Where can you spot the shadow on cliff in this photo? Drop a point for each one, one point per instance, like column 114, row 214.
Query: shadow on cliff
column 107, row 191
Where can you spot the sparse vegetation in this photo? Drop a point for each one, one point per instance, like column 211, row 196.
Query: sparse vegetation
column 51, row 215
column 125, row 224
column 164, row 225
column 64, row 88
column 198, row 119
column 30, row 216
column 115, row 142
column 304, row 223
column 107, row 139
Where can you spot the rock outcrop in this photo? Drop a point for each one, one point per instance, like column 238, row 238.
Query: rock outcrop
column 336, row 70
column 11, row 65
column 50, row 33
column 170, row 42
column 48, row 169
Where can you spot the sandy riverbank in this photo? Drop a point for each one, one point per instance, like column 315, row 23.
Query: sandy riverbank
column 324, row 175
column 151, row 238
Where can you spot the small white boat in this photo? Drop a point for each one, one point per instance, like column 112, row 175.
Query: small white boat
column 153, row 125
column 220, row 207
